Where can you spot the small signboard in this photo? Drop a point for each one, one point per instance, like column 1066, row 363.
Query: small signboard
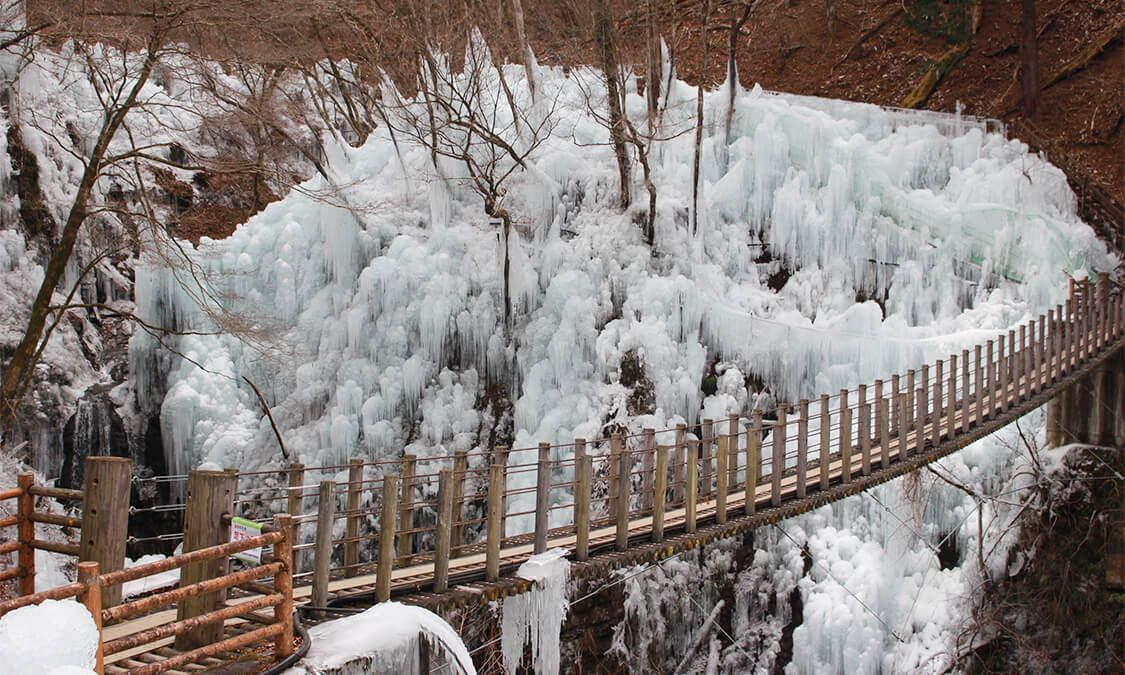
column 241, row 530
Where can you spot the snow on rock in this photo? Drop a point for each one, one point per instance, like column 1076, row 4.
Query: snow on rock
column 46, row 638
column 383, row 639
column 538, row 614
column 152, row 582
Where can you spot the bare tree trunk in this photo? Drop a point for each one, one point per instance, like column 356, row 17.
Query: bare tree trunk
column 699, row 125
column 1029, row 62
column 528, row 57
column 732, row 69
column 605, row 38
column 20, row 369
column 652, row 67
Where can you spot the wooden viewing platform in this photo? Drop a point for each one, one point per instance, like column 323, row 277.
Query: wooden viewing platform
column 634, row 500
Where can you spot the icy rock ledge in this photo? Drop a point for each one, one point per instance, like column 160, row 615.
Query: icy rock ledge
column 538, row 614
column 383, row 639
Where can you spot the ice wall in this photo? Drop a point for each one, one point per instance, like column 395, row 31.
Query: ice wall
column 377, row 292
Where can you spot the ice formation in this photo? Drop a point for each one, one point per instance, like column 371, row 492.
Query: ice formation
column 64, row 625
column 860, row 585
column 383, row 639
column 537, row 615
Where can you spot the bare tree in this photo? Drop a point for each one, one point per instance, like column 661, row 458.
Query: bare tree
column 695, row 177
column 528, row 56
column 461, row 118
column 605, row 36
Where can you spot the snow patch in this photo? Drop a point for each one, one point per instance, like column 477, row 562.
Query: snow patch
column 538, row 614
column 53, row 636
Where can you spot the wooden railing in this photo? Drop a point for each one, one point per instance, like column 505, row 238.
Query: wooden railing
column 92, row 585
column 424, row 523
column 25, row 519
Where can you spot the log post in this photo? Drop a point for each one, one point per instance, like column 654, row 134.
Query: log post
column 1004, row 348
column 460, row 480
column 648, row 462
column 296, row 504
column 990, row 388
column 753, row 452
column 584, row 465
column 500, row 456
column 896, row 389
column 322, row 551
column 845, row 441
column 579, row 455
column 678, row 462
column 1040, row 354
column 542, row 497
column 623, row 469
column 965, row 390
column 91, row 597
column 26, row 533
column 732, row 451
column 920, row 421
column 978, row 387
column 911, row 387
column 1023, row 364
column 351, row 529
column 283, row 585
column 210, row 495
column 924, row 402
column 951, row 399
column 939, row 400
column 496, row 486
column 444, row 530
column 406, row 509
column 883, row 424
column 106, row 486
column 691, row 475
column 296, row 493
column 1066, row 333
column 721, row 456
column 1050, row 343
column 659, row 493
column 386, row 561
column 705, row 458
column 825, row 435
column 903, row 415
column 864, row 431
column 777, row 462
column 802, row 447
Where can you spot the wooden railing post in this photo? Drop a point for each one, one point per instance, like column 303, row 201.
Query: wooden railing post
column 460, row 479
column 579, row 456
column 495, row 531
column 385, row 563
column 1004, row 354
column 351, row 531
column 990, row 388
column 406, row 509
column 691, row 493
column 542, row 497
column 295, row 505
column 951, row 399
column 624, row 467
column 584, row 469
column 911, row 387
column 1040, row 354
column 939, row 400
column 210, row 495
column 721, row 456
column 978, row 387
column 26, row 533
column 322, row 552
column 659, row 492
column 845, row 440
column 924, row 402
column 777, row 461
column 825, row 435
column 106, row 487
column 91, row 597
column 1023, row 365
column 705, row 458
column 903, row 425
column 444, row 530
column 732, row 451
column 965, row 382
column 500, row 456
column 283, row 584
column 678, row 459
column 883, row 423
column 753, row 453
column 920, row 421
column 864, row 431
column 896, row 389
column 802, row 448
column 648, row 462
